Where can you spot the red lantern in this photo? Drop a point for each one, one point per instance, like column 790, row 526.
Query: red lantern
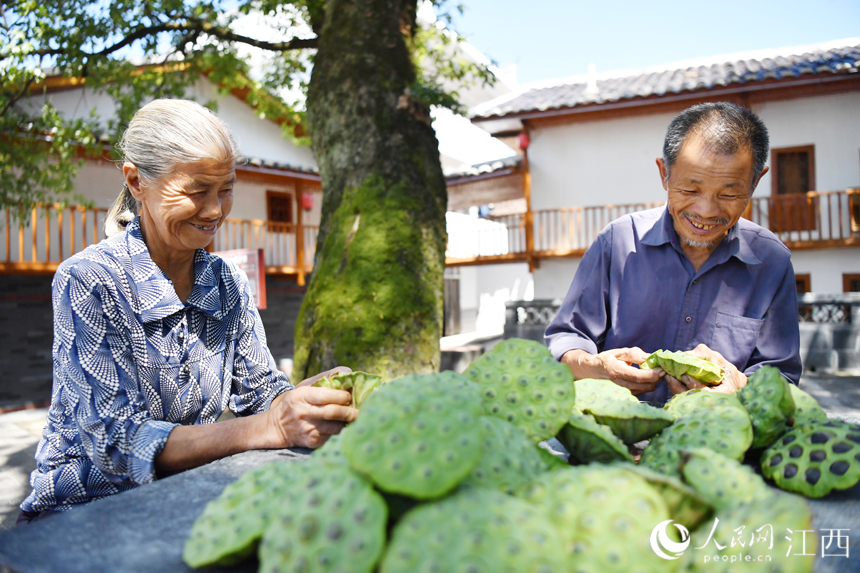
column 523, row 140
column 307, row 201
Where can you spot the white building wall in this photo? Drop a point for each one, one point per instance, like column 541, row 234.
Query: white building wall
column 831, row 123
column 553, row 277
column 485, row 289
column 826, row 266
column 597, row 162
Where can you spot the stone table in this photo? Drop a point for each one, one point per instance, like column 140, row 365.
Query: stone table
column 143, row 530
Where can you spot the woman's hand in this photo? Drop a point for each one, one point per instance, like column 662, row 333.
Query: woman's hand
column 733, row 380
column 308, row 416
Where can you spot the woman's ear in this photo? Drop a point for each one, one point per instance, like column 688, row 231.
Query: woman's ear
column 132, row 180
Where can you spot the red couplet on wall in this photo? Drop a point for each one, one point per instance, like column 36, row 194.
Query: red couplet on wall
column 251, row 262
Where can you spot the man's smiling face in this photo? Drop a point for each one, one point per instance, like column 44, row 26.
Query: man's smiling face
column 708, row 193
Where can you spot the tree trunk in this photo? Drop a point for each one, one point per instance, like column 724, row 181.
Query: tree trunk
column 374, row 301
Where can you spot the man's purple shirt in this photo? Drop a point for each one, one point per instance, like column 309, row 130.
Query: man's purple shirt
column 635, row 287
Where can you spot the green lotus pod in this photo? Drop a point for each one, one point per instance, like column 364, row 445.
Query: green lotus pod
column 522, row 383
column 694, row 402
column 605, row 515
column 591, row 390
column 332, row 450
column 806, row 408
column 815, row 459
column 677, row 364
column 231, row 525
column 587, row 441
column 725, row 430
column 478, row 530
column 723, row 482
column 755, row 538
column 330, row 520
column 767, row 398
column 631, row 421
column 419, row 436
column 359, row 384
column 684, row 503
column 509, row 458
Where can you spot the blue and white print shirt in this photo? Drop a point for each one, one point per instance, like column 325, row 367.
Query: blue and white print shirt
column 131, row 362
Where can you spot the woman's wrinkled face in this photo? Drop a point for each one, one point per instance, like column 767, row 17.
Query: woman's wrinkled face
column 182, row 211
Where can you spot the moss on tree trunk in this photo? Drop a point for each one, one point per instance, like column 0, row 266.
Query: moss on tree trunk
column 374, row 301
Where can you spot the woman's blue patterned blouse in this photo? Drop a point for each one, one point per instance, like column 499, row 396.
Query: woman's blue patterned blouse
column 131, row 362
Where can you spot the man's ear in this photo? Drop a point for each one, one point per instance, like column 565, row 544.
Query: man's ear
column 756, row 182
column 132, row 180
column 664, row 173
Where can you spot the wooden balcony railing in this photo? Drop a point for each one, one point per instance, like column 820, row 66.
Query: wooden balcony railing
column 813, row 220
column 54, row 232
column 50, row 234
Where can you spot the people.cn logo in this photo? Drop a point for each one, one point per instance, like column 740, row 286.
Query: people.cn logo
column 660, row 540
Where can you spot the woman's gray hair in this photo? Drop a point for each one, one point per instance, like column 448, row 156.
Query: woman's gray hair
column 162, row 134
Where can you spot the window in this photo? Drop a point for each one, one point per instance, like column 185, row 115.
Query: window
column 851, row 282
column 793, row 176
column 279, row 207
column 804, row 283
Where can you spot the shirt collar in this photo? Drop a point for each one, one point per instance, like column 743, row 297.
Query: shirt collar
column 156, row 298
column 733, row 245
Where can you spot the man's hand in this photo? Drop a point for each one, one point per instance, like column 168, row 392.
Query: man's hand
column 614, row 365
column 308, row 416
column 733, row 381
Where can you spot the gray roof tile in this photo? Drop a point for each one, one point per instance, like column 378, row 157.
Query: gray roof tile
column 830, row 58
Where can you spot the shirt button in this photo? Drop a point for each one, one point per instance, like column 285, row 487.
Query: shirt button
column 695, row 281
column 688, row 319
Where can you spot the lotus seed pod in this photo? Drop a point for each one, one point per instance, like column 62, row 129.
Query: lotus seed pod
column 677, row 364
column 418, row 436
column 522, row 383
column 509, row 458
column 725, row 430
column 332, row 450
column 815, row 459
column 767, row 398
column 685, row 505
column 591, row 390
column 587, row 441
column 330, row 520
column 476, row 530
column 605, row 515
column 806, row 409
column 359, row 384
column 231, row 525
column 694, row 402
column 631, row 421
column 761, row 537
column 723, row 482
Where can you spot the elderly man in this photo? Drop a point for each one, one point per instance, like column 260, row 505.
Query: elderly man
column 689, row 276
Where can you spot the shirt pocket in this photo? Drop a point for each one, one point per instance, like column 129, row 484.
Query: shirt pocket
column 735, row 337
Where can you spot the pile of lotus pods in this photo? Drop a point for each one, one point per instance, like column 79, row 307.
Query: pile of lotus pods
column 449, row 472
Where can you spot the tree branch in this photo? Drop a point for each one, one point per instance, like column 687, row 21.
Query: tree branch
column 192, row 25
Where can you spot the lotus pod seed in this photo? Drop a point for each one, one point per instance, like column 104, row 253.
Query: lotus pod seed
column 439, row 412
column 524, row 403
column 475, row 529
column 767, row 398
column 815, row 459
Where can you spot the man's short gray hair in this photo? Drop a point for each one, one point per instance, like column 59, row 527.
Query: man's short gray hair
column 163, row 134
column 725, row 127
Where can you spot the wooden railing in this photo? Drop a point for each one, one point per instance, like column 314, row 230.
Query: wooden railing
column 289, row 249
column 48, row 235
column 52, row 233
column 813, row 220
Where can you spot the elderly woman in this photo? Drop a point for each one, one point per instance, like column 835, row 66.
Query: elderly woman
column 154, row 337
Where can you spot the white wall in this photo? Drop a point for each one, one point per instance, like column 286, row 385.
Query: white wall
column 485, row 289
column 553, row 277
column 831, row 123
column 597, row 162
column 826, row 266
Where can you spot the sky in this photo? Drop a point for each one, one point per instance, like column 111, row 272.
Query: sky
column 553, row 39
